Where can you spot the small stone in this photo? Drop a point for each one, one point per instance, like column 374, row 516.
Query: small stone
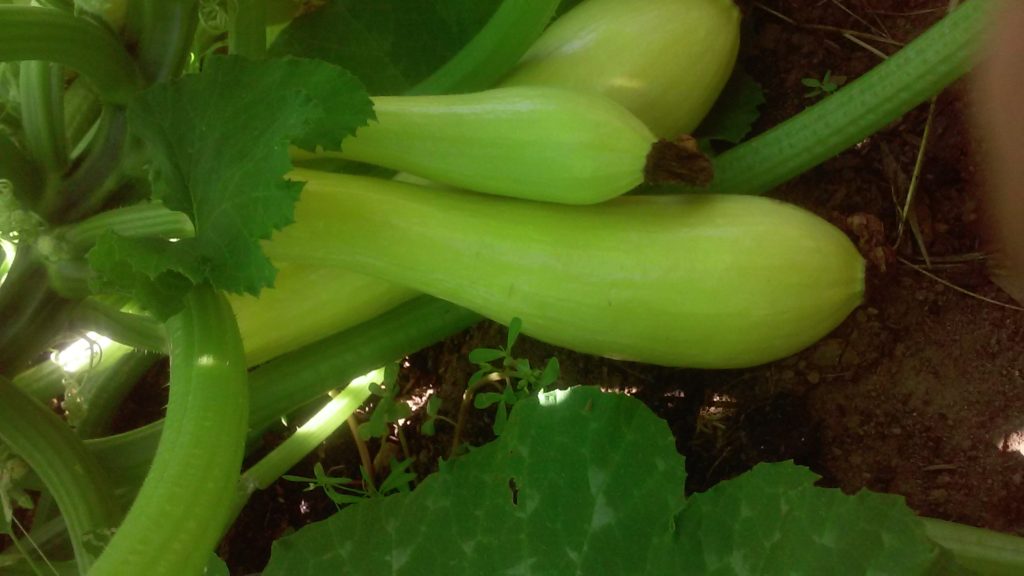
column 813, row 377
column 828, row 353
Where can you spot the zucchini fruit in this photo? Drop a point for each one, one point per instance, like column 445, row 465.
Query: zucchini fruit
column 307, row 304
column 666, row 61
column 532, row 142
column 703, row 281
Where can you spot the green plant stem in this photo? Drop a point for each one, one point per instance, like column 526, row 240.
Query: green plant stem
column 33, row 33
column 127, row 457
column 81, row 111
column 177, row 517
column 310, row 435
column 131, row 329
column 18, row 168
column 86, row 191
column 69, row 471
column 46, row 539
column 105, row 388
column 364, row 454
column 41, row 86
column 33, row 314
column 318, row 368
column 52, row 569
column 920, row 70
column 43, row 381
column 163, row 31
column 67, row 5
column 300, row 377
column 460, row 421
column 146, row 220
column 247, row 29
column 985, row 551
column 494, row 50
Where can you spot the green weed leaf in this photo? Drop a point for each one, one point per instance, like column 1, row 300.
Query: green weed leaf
column 485, row 355
column 486, row 400
column 479, row 375
column 398, row 478
column 514, row 327
column 550, row 374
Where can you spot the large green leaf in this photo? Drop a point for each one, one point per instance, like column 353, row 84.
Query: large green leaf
column 579, row 482
column 773, row 520
column 584, row 482
column 389, row 44
column 217, row 144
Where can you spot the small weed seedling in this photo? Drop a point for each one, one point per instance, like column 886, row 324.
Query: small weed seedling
column 824, row 87
column 498, row 366
column 344, row 491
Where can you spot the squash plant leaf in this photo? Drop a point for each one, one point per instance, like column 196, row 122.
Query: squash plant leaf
column 585, row 482
column 579, row 482
column 219, row 143
column 773, row 520
column 390, row 44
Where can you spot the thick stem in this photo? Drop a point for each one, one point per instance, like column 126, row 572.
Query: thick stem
column 247, row 30
column 97, row 176
column 318, row 368
column 24, row 174
column 163, row 31
column 494, row 50
column 296, row 379
column 41, row 86
column 33, row 33
column 33, row 314
column 920, row 70
column 82, row 109
column 146, row 220
column 105, row 388
column 69, row 471
column 199, row 456
column 43, row 381
column 133, row 330
column 984, row 551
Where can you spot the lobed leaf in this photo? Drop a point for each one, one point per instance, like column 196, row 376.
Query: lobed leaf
column 218, row 145
column 390, row 44
column 585, row 482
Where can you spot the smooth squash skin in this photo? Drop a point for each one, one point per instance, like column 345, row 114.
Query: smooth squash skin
column 308, row 303
column 666, row 61
column 703, row 281
column 532, row 142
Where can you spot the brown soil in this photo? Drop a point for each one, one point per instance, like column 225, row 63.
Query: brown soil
column 917, row 393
